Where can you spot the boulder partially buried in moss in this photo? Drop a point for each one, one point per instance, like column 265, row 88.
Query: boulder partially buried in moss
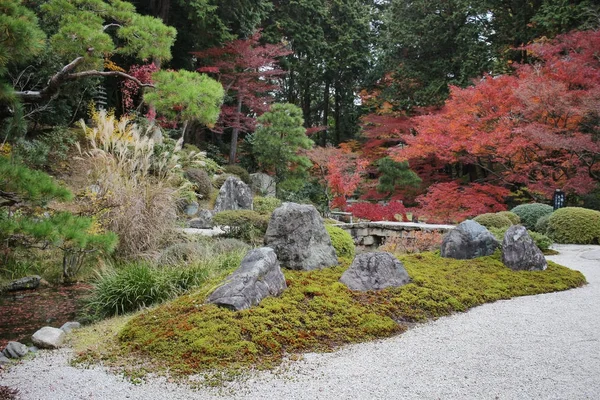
column 468, row 240
column 375, row 271
column 258, row 276
column 297, row 234
column 519, row 251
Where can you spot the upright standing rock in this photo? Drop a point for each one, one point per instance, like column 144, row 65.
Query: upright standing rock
column 298, row 236
column 519, row 251
column 468, row 240
column 234, row 195
column 263, row 184
column 258, row 276
column 375, row 271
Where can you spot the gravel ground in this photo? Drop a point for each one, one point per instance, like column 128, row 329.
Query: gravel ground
column 537, row 347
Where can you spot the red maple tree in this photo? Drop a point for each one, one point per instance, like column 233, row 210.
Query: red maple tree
column 248, row 71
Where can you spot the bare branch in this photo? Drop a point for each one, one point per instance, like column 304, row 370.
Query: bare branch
column 84, row 74
column 105, row 27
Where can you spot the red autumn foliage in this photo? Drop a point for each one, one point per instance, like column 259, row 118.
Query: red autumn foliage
column 534, row 129
column 452, row 203
column 379, row 212
column 339, row 170
column 130, row 89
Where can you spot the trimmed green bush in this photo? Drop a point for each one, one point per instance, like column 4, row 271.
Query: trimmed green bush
column 514, row 218
column 246, row 225
column 342, row 242
column 541, row 225
column 220, row 180
column 493, row 220
column 575, row 225
column 266, row 205
column 542, row 241
column 530, row 213
column 238, row 171
column 201, row 181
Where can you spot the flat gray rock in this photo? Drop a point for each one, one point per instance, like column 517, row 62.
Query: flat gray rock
column 258, row 276
column 519, row 251
column 28, row 282
column 298, row 236
column 234, row 195
column 15, row 350
column 48, row 338
column 375, row 271
column 468, row 240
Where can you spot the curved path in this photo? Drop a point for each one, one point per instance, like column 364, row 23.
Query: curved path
column 537, row 347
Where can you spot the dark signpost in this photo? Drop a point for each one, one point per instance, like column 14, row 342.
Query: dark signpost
column 558, row 201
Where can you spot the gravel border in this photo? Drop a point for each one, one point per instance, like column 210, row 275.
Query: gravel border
column 536, row 347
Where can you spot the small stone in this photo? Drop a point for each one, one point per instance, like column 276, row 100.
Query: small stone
column 15, row 350
column 4, row 360
column 48, row 337
column 203, row 220
column 191, row 208
column 33, row 349
column 69, row 326
column 375, row 271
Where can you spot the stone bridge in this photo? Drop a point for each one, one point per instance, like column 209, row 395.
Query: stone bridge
column 370, row 235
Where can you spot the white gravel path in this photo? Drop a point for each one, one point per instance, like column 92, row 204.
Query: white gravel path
column 537, row 347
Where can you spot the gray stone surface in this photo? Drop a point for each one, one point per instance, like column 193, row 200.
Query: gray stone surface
column 191, row 208
column 15, row 350
column 263, row 184
column 519, row 251
column 4, row 360
column 234, row 195
column 298, row 236
column 48, row 338
column 69, row 326
column 258, row 276
column 28, row 282
column 203, row 220
column 468, row 240
column 375, row 271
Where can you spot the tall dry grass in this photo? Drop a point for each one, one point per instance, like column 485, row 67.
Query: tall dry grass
column 136, row 188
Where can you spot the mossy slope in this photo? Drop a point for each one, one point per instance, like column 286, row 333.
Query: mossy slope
column 317, row 313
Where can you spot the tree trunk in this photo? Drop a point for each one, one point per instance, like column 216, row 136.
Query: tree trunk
column 337, row 114
column 235, row 134
column 325, row 113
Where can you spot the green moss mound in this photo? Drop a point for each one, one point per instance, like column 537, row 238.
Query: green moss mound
column 342, row 242
column 238, row 171
column 575, row 225
column 530, row 213
column 493, row 220
column 317, row 313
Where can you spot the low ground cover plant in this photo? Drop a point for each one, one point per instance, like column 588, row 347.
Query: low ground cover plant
column 342, row 242
column 317, row 313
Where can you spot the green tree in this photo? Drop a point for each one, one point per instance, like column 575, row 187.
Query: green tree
column 276, row 144
column 395, row 174
column 23, row 193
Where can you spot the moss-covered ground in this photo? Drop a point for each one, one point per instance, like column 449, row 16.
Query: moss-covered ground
column 317, row 313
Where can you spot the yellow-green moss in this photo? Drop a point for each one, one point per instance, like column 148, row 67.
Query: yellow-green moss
column 317, row 313
column 342, row 242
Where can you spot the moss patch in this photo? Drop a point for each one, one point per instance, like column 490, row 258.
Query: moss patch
column 317, row 313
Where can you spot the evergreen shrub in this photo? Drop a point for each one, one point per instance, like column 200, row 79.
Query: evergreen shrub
column 238, row 171
column 493, row 220
column 542, row 241
column 541, row 225
column 514, row 218
column 266, row 205
column 342, row 242
column 246, row 225
column 575, row 225
column 201, row 181
column 530, row 213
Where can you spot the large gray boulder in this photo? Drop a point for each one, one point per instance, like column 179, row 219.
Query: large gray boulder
column 298, row 236
column 28, row 282
column 258, row 276
column 375, row 271
column 48, row 338
column 15, row 350
column 234, row 195
column 468, row 240
column 263, row 184
column 203, row 220
column 519, row 251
